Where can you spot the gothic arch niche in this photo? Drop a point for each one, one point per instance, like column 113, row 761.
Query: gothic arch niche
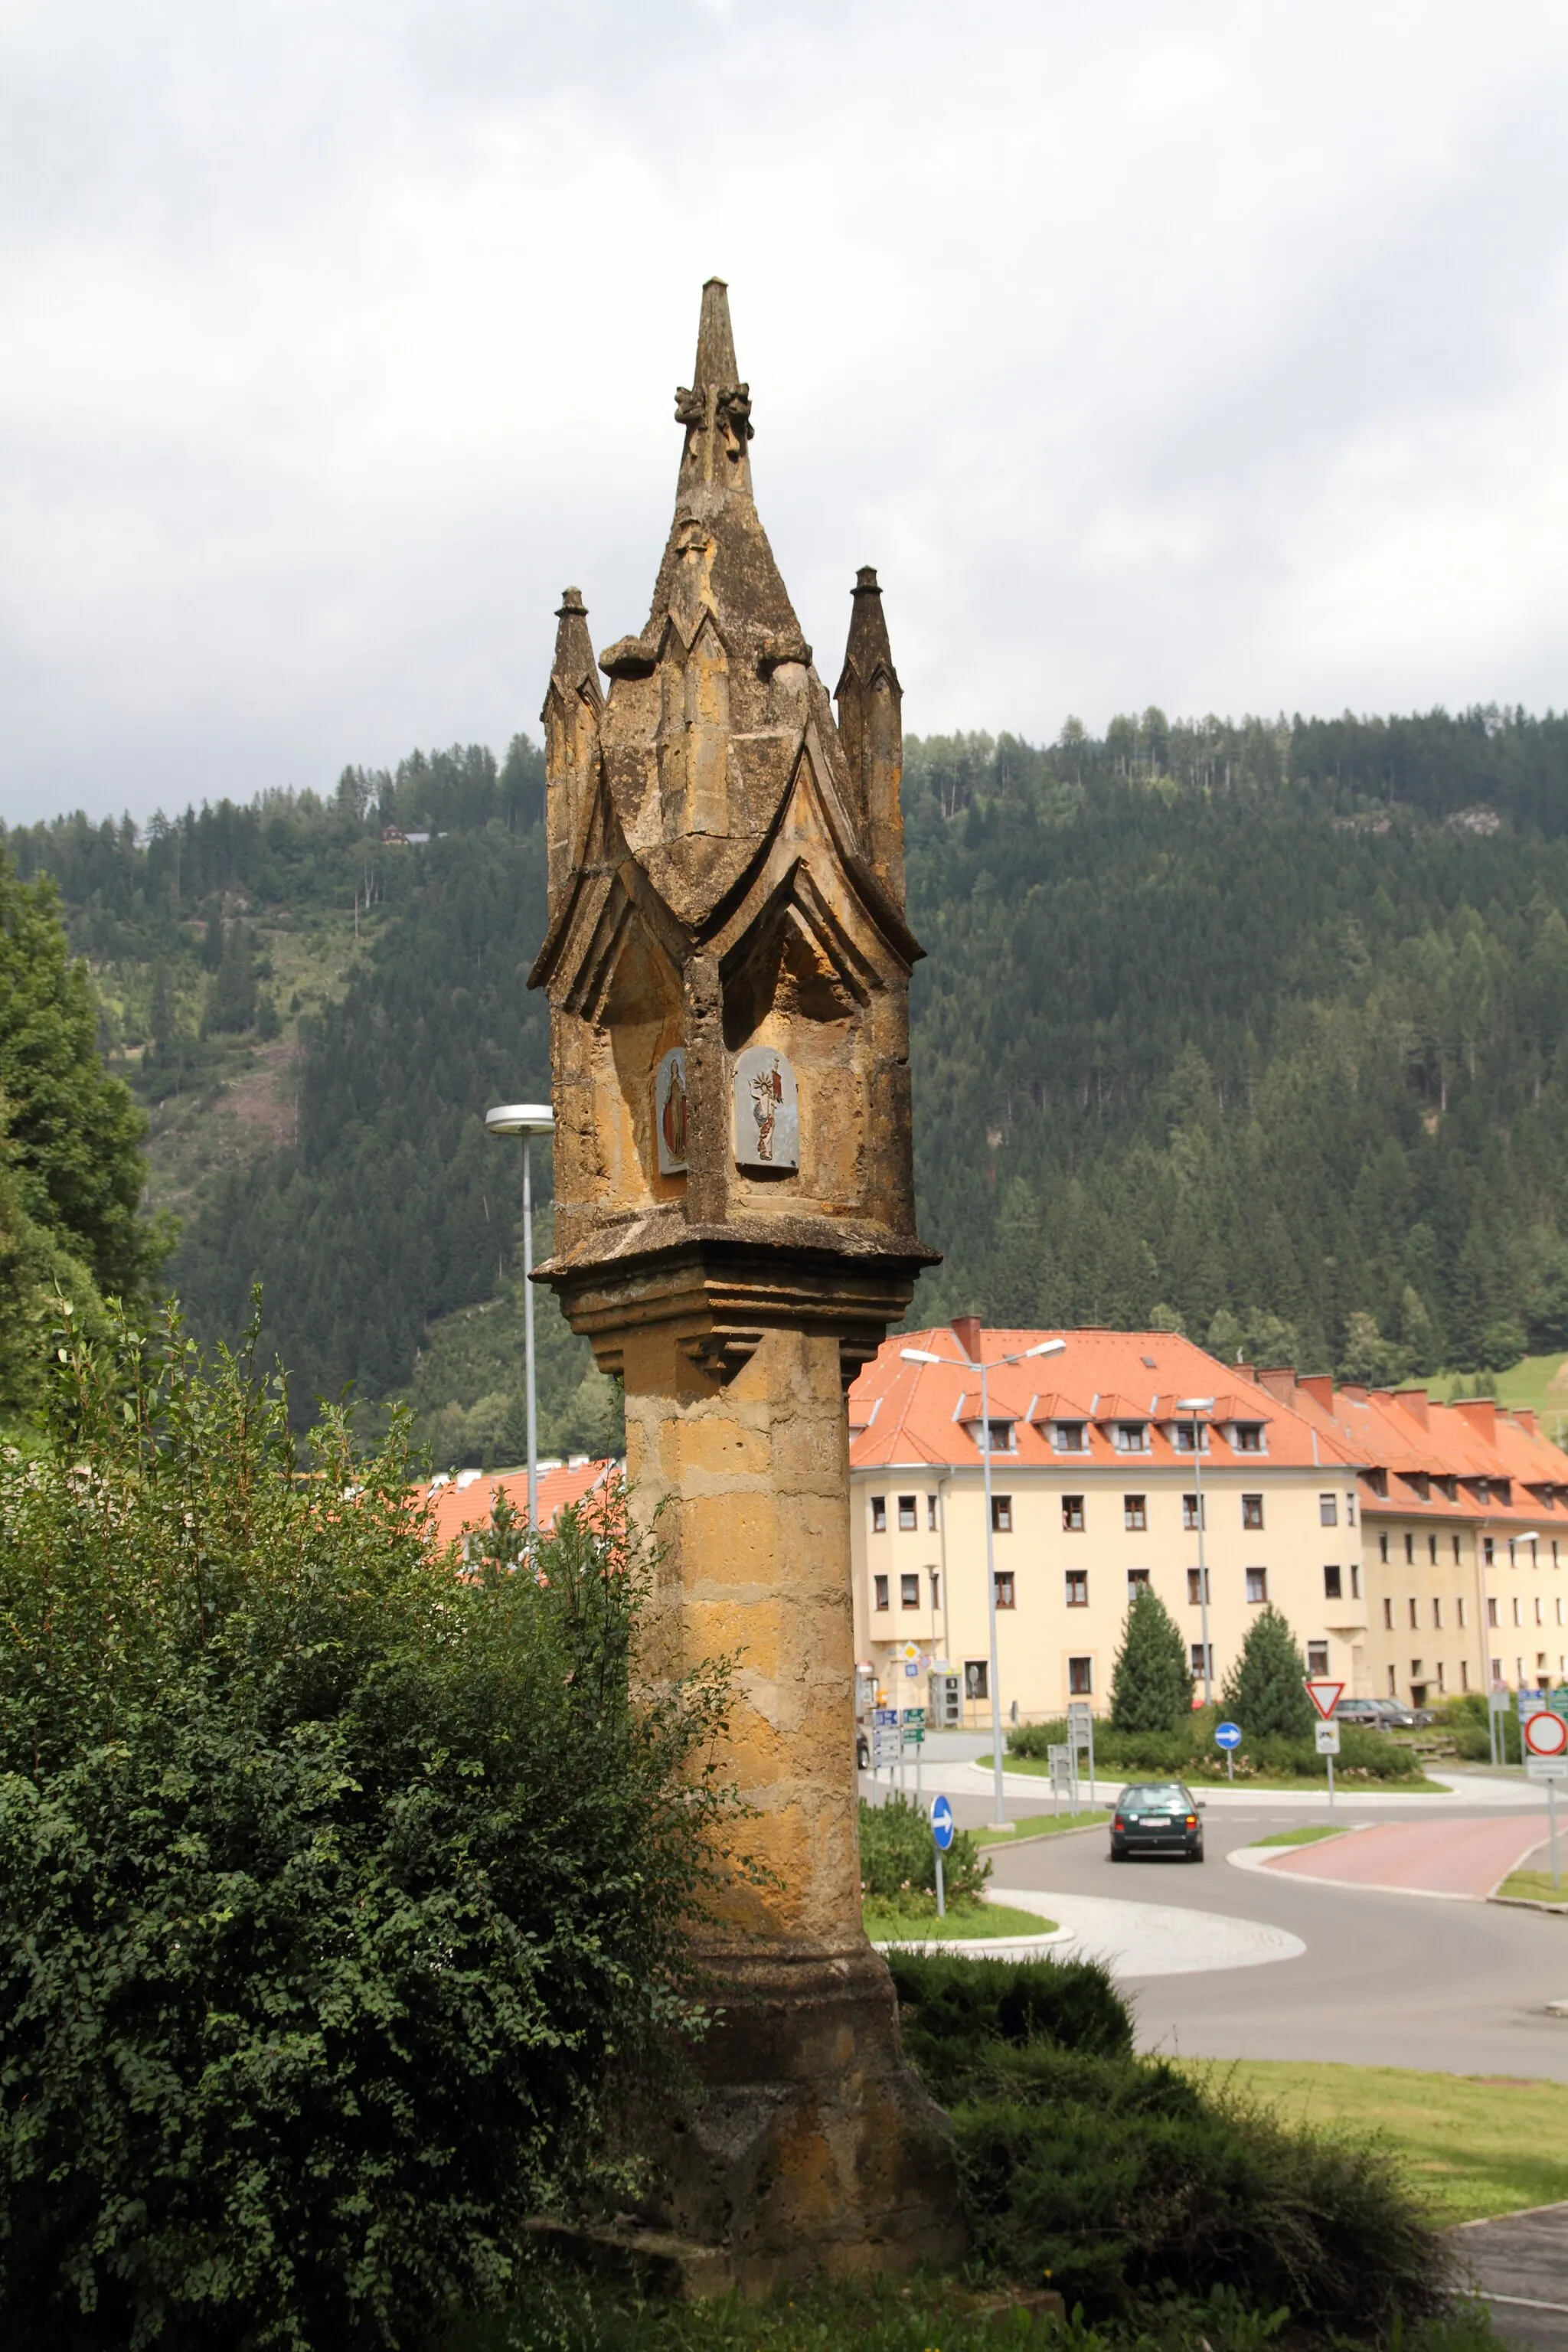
column 794, row 984
column 636, row 1022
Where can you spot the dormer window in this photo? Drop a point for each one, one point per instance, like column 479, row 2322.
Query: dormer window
column 1418, row 1482
column 1450, row 1489
column 1190, row 1437
column 1504, row 1489
column 999, row 1437
column 1069, row 1437
column 1483, row 1490
column 1130, row 1436
column 1246, row 1436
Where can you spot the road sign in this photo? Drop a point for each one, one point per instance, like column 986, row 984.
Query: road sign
column 914, row 1715
column 1227, row 1735
column 1328, row 1738
column 942, row 1824
column 1546, row 1767
column 1500, row 1698
column 910, row 1653
column 1325, row 1696
column 1545, row 1735
column 881, row 1715
column 912, row 1671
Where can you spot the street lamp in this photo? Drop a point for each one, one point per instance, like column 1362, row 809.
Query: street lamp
column 966, row 1364
column 1196, row 1406
column 527, row 1119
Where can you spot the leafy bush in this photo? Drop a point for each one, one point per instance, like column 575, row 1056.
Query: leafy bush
column 898, row 1857
column 1120, row 2177
column 1466, row 1718
column 333, row 1885
column 1189, row 1753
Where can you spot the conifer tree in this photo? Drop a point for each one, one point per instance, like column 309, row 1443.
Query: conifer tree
column 1151, row 1687
column 1264, row 1690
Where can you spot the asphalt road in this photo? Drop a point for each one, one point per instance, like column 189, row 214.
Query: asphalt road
column 1386, row 1980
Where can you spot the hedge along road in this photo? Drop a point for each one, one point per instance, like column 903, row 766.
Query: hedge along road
column 1384, row 1980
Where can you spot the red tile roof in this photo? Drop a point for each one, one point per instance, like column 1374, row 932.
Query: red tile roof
column 1414, row 1441
column 455, row 1505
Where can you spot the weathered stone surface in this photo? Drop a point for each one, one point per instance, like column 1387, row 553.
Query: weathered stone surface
column 726, row 882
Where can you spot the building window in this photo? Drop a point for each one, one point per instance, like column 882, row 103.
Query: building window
column 878, row 1514
column 1409, row 1549
column 1492, row 1611
column 1517, row 1617
column 1350, row 1506
column 1183, row 1435
column 1457, row 1551
column 1561, row 1619
column 1072, row 1513
column 1464, row 1673
column 1418, row 1671
column 1412, row 1607
column 1252, row 1511
column 1005, row 1590
column 1080, row 1678
column 1196, row 1654
column 935, row 1575
column 1355, row 1580
column 1316, row 1657
column 1134, row 1513
column 1197, row 1587
column 1248, row 1437
column 907, row 1521
column 1195, row 1513
column 1489, row 1552
column 1378, row 1481
column 931, row 1513
column 1067, row 1437
column 1332, row 1586
column 1388, row 1616
column 976, row 1678
column 1257, row 1584
column 909, row 1593
column 1460, row 1616
column 1077, row 1585
column 1002, row 1515
column 880, row 1590
column 1328, row 1511
column 1437, row 1615
column 1393, row 1684
column 1442, row 1675
column 1432, row 1550
column 1138, row 1580
column 1383, row 1548
column 1131, row 1436
column 999, row 1437
column 1539, row 1619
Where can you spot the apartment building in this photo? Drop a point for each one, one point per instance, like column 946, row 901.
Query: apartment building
column 1100, row 1481
column 1464, row 1536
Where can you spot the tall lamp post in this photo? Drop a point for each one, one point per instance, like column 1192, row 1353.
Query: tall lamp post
column 1196, row 1407
column 527, row 1119
column 924, row 1355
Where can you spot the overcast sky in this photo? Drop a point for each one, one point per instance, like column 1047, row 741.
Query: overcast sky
column 1210, row 354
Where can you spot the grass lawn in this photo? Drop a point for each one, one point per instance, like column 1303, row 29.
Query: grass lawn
column 978, row 1921
column 1039, row 1825
column 1480, row 2144
column 1535, row 1886
column 1417, row 1785
column 1300, row 1837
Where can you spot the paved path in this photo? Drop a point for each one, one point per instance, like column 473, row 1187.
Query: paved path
column 1448, row 1857
column 1155, row 1939
column 1521, row 2264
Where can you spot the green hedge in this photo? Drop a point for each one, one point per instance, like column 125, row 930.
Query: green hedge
column 1190, row 1753
column 335, row 1887
column 1118, row 2178
column 898, row 1858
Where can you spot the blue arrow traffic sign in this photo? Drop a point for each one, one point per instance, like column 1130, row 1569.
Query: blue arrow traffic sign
column 942, row 1824
column 1227, row 1735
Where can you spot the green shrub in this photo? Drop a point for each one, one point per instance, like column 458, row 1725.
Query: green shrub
column 898, row 1855
column 333, row 1885
column 1264, row 1691
column 1151, row 1685
column 1120, row 2178
column 1189, row 1753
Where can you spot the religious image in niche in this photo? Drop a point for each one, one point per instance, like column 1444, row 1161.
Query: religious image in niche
column 767, row 1112
column 669, row 1111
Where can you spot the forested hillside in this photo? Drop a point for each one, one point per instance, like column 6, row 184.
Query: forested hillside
column 1258, row 1029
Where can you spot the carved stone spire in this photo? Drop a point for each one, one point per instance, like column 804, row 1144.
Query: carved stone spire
column 573, row 704
column 870, row 729
column 716, row 406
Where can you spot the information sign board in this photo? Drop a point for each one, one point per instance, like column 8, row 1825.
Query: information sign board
column 1327, row 1736
column 1546, row 1767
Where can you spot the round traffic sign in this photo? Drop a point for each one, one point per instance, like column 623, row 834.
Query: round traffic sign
column 1228, row 1734
column 942, row 1824
column 1545, row 1734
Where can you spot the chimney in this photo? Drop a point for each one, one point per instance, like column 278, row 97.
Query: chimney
column 1481, row 1414
column 1320, row 1387
column 1415, row 1401
column 1279, row 1380
column 966, row 1331
column 1524, row 1416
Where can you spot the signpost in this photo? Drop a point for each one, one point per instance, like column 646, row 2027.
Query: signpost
column 1325, row 1696
column 1544, row 1737
column 1228, row 1737
column 1497, row 1703
column 1081, row 1733
column 941, row 1831
column 887, row 1742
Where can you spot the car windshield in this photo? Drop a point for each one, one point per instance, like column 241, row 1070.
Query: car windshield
column 1153, row 1797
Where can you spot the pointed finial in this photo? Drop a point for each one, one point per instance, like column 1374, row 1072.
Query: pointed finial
column 574, row 647
column 715, row 408
column 715, row 340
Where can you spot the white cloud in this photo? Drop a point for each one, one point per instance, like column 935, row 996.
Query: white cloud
column 1213, row 355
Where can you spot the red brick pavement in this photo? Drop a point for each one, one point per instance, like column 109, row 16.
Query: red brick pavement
column 1427, row 1857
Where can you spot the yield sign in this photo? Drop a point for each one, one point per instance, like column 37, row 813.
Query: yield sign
column 1324, row 1696
column 1545, row 1734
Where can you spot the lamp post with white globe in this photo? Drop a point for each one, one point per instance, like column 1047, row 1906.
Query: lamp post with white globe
column 527, row 1119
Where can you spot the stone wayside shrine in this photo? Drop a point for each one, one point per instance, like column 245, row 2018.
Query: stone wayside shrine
column 728, row 967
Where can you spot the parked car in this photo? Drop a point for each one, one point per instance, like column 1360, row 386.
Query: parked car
column 1397, row 1717
column 862, row 1751
column 1364, row 1713
column 1157, row 1817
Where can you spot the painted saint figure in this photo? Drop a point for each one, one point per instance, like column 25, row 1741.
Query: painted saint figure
column 670, row 1112
column 767, row 1093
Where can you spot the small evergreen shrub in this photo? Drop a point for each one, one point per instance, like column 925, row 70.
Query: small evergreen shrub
column 335, row 1885
column 1265, row 1689
column 1151, row 1682
column 898, row 1858
column 1189, row 1753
